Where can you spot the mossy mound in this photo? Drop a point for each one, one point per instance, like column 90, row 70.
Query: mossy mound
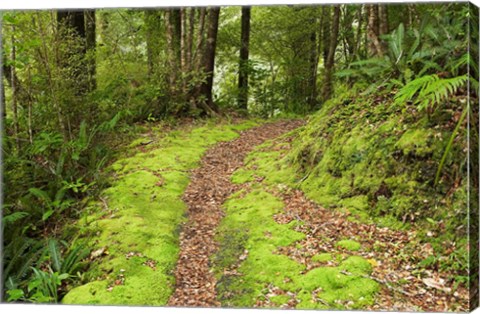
column 324, row 257
column 137, row 224
column 349, row 245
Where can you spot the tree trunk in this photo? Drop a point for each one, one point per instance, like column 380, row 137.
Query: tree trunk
column 90, row 44
column 13, row 58
column 312, row 78
column 197, row 58
column 183, row 42
column 383, row 19
column 191, row 30
column 243, row 67
column 152, row 36
column 209, row 66
column 327, row 82
column 3, row 106
column 82, row 72
column 171, row 52
column 326, row 16
column 375, row 47
column 358, row 38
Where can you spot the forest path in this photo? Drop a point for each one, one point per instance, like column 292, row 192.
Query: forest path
column 280, row 249
column 209, row 187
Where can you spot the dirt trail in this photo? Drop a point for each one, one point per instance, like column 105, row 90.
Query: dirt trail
column 208, row 189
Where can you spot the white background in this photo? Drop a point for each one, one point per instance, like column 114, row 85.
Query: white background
column 46, row 4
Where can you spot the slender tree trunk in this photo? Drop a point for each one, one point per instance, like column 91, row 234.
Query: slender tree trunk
column 358, row 38
column 312, row 79
column 183, row 39
column 183, row 49
column 198, row 57
column 383, row 19
column 211, row 44
column 152, row 36
column 373, row 32
column 3, row 105
column 171, row 52
column 328, row 84
column 13, row 58
column 91, row 45
column 176, row 21
column 243, row 67
column 29, row 104
column 190, row 34
column 199, row 52
column 2, row 97
column 326, row 16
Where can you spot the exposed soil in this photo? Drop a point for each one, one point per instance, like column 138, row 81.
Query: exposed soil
column 209, row 187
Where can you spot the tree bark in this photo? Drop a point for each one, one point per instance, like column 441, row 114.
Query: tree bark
column 3, row 106
column 383, row 19
column 326, row 16
column 358, row 38
column 152, row 36
column 243, row 67
column 329, row 64
column 190, row 34
column 312, row 78
column 171, row 52
column 183, row 42
column 199, row 53
column 13, row 58
column 211, row 44
column 90, row 44
column 198, row 56
column 375, row 46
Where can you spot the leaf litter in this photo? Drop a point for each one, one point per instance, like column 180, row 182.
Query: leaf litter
column 209, row 187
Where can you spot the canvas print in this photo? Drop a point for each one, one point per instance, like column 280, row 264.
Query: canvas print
column 320, row 157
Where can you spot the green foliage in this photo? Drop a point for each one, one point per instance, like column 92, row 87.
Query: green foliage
column 429, row 90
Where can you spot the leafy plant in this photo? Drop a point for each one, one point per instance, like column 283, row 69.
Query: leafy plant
column 429, row 90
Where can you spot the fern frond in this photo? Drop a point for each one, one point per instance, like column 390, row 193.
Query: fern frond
column 9, row 219
column 429, row 90
column 408, row 92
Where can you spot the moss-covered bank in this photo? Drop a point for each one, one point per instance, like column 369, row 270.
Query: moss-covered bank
column 134, row 230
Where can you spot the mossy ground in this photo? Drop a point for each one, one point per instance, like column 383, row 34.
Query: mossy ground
column 380, row 170
column 138, row 220
column 252, row 248
column 251, row 214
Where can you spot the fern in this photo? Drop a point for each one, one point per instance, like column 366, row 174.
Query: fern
column 429, row 90
column 9, row 219
column 55, row 256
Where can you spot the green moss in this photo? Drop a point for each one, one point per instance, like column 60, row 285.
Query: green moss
column 279, row 300
column 253, row 213
column 416, row 141
column 260, row 236
column 349, row 245
column 141, row 216
column 324, row 257
column 356, row 265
